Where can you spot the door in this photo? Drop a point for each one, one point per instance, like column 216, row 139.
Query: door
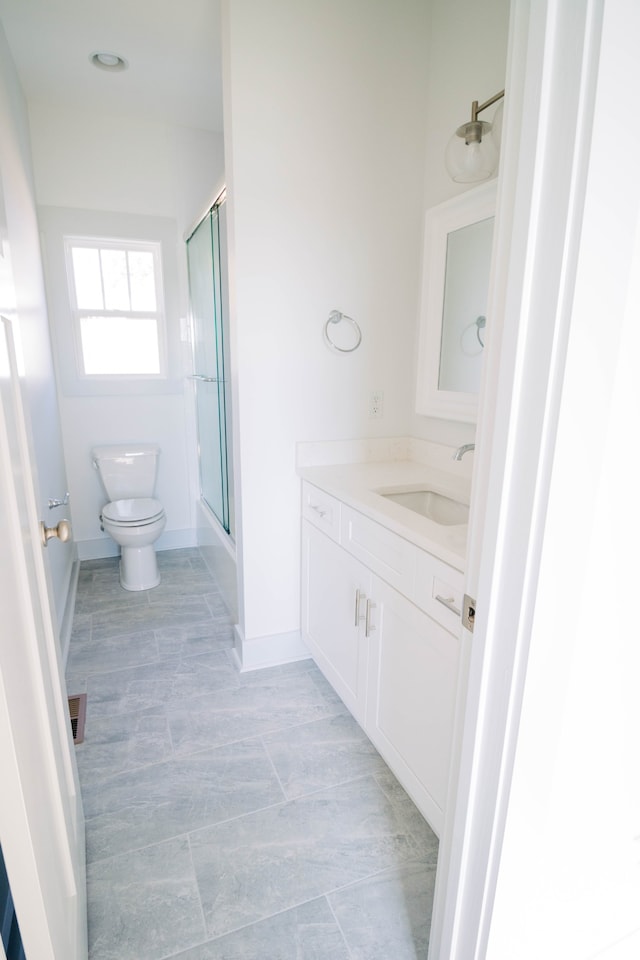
column 413, row 669
column 554, row 583
column 335, row 587
column 41, row 820
column 206, row 256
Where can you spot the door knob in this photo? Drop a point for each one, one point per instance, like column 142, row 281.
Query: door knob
column 62, row 531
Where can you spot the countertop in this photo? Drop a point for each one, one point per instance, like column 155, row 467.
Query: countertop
column 356, row 484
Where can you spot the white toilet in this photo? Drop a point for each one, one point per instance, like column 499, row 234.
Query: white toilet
column 132, row 517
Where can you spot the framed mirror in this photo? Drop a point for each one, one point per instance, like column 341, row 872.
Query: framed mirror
column 458, row 242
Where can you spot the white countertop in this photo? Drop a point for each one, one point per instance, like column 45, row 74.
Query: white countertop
column 356, row 485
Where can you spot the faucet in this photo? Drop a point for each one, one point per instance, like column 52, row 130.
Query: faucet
column 460, row 452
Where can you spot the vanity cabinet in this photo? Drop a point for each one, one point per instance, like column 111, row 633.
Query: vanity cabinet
column 412, row 678
column 378, row 616
column 336, row 588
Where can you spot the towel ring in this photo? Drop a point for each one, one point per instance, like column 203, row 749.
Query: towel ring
column 479, row 323
column 335, row 317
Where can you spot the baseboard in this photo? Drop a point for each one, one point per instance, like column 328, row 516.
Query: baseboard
column 97, row 549
column 102, row 547
column 177, row 539
column 66, row 626
column 270, row 651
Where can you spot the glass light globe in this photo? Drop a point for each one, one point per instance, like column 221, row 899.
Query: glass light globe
column 474, row 161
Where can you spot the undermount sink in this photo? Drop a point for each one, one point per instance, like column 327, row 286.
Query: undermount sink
column 434, row 506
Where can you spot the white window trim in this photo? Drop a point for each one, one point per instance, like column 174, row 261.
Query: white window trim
column 56, row 223
column 159, row 315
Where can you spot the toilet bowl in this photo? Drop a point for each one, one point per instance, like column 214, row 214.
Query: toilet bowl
column 133, row 518
column 135, row 525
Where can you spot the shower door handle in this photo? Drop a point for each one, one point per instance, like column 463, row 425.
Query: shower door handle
column 198, row 376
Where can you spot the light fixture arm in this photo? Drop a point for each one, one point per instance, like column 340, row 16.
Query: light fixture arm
column 475, row 109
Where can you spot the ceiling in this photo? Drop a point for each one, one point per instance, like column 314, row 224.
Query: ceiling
column 173, row 51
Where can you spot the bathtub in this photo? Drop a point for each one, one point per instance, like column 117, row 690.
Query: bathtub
column 219, row 553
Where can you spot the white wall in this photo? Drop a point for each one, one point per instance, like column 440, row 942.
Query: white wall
column 336, row 120
column 89, row 165
column 324, row 138
column 467, row 61
column 31, row 321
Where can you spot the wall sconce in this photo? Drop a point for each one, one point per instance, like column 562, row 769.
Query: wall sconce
column 472, row 152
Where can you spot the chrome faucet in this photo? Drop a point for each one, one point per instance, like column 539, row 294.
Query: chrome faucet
column 460, row 452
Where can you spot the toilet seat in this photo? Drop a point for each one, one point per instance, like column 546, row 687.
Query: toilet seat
column 133, row 513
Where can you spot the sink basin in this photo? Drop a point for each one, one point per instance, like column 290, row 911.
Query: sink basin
column 434, row 506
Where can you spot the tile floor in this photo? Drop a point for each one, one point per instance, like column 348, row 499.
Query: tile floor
column 231, row 816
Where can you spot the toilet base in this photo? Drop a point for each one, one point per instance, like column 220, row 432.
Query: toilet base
column 139, row 568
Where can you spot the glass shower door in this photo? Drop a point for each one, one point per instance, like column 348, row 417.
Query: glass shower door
column 207, row 296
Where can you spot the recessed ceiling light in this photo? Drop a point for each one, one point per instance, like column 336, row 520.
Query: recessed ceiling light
column 108, row 61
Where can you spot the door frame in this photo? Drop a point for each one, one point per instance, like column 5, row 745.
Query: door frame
column 553, row 74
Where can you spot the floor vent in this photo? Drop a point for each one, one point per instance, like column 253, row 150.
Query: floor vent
column 77, row 713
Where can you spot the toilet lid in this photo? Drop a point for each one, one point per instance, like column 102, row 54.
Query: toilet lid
column 139, row 510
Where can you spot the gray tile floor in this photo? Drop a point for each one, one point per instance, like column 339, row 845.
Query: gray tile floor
column 231, row 816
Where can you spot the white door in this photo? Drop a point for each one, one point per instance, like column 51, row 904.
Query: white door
column 41, row 820
column 568, row 219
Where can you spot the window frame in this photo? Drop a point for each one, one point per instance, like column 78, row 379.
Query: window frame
column 77, row 314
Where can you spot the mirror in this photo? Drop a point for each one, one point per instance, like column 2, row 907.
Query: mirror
column 455, row 283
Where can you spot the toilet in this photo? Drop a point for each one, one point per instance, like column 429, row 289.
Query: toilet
column 133, row 517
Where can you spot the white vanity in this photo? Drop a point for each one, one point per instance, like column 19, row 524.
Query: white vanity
column 382, row 591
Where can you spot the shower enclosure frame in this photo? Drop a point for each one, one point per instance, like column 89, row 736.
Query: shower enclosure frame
column 209, row 318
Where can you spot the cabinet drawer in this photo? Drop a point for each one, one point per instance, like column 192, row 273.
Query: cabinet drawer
column 439, row 590
column 384, row 552
column 321, row 509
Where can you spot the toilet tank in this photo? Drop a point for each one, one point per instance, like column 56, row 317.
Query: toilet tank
column 127, row 470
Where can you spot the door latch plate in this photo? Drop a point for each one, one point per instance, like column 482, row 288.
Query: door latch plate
column 468, row 612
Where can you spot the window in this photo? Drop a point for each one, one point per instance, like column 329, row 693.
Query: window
column 117, row 306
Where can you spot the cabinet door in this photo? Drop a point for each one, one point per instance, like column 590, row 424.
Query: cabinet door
column 413, row 669
column 333, row 585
